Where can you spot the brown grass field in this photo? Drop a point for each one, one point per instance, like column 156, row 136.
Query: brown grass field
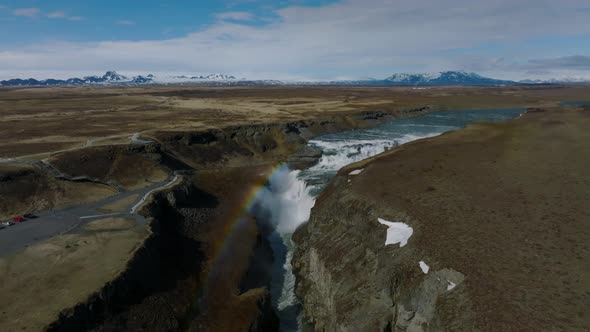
column 40, row 120
column 40, row 281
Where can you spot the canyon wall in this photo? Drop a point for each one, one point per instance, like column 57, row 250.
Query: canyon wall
column 166, row 285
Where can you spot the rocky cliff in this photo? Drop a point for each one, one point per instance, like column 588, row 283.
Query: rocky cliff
column 498, row 239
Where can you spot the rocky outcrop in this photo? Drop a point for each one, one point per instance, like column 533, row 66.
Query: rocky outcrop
column 305, row 157
column 349, row 280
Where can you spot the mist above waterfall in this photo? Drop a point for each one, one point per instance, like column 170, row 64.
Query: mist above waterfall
column 285, row 202
column 281, row 206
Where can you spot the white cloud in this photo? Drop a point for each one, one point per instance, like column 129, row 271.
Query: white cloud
column 34, row 12
column 575, row 62
column 236, row 16
column 56, row 15
column 28, row 12
column 352, row 38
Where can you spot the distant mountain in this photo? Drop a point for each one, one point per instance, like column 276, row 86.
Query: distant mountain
column 221, row 77
column 557, row 80
column 110, row 77
column 113, row 78
column 212, row 77
column 143, row 79
column 444, row 78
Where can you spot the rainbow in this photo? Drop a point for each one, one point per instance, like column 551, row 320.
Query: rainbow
column 238, row 219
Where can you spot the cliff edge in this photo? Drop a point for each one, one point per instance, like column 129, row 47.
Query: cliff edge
column 495, row 222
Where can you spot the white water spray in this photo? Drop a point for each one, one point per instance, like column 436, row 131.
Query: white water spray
column 284, row 204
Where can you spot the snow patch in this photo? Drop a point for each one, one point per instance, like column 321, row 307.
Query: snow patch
column 398, row 232
column 451, row 285
column 424, row 267
column 356, row 172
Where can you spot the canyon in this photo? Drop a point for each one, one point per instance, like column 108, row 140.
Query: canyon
column 204, row 257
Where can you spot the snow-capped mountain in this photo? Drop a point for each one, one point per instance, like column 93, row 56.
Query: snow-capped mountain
column 212, row 77
column 412, row 79
column 110, row 77
column 113, row 78
column 215, row 77
column 445, row 78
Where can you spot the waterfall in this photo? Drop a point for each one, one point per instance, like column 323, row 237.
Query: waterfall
column 284, row 204
column 287, row 199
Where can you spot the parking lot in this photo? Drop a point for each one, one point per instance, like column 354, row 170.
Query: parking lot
column 51, row 223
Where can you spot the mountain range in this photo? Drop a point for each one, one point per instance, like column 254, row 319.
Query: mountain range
column 446, row 78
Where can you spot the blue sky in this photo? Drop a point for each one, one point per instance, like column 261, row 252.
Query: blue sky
column 92, row 20
column 295, row 39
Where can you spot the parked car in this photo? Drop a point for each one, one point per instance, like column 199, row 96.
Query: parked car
column 7, row 223
column 18, row 219
column 30, row 216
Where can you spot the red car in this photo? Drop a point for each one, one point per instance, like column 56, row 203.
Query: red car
column 18, row 219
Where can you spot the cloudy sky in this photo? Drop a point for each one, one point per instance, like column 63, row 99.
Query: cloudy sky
column 295, row 39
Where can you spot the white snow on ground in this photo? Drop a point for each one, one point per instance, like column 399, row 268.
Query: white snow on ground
column 356, row 172
column 398, row 232
column 424, row 267
column 451, row 286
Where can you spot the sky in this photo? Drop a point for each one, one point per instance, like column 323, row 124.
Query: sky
column 295, row 39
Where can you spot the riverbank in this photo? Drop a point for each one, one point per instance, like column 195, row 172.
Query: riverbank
column 499, row 232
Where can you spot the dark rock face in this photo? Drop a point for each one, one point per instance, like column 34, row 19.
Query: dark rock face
column 304, row 158
column 170, row 254
column 349, row 280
